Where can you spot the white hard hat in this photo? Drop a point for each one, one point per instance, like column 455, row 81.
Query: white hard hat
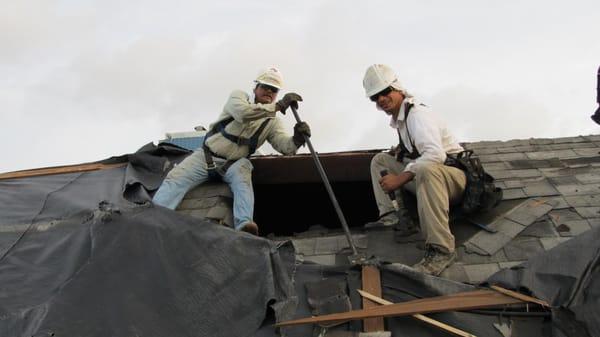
column 270, row 76
column 378, row 77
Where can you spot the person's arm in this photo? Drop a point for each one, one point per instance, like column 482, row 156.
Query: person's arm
column 243, row 111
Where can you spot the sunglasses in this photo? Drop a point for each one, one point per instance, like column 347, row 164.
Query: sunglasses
column 383, row 92
column 268, row 87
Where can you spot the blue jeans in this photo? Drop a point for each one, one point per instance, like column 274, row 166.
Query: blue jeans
column 192, row 172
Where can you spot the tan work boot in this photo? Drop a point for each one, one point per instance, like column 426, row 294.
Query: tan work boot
column 435, row 261
column 250, row 227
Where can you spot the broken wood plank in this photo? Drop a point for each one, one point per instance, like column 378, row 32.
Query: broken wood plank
column 59, row 170
column 371, row 282
column 520, row 296
column 477, row 299
column 423, row 318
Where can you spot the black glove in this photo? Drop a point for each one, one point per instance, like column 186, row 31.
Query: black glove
column 289, row 99
column 300, row 130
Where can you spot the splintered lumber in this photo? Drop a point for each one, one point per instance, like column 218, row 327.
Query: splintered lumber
column 371, row 282
column 477, row 299
column 436, row 323
column 59, row 170
column 520, row 296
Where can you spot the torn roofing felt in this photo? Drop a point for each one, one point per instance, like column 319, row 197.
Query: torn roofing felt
column 77, row 259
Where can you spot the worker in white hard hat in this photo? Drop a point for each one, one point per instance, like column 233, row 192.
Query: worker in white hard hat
column 416, row 166
column 247, row 121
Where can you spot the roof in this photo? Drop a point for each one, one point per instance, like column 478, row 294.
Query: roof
column 551, row 191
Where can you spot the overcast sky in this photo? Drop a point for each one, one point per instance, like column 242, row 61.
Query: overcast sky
column 83, row 80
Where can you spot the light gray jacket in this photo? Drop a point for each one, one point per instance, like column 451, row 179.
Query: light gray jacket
column 247, row 118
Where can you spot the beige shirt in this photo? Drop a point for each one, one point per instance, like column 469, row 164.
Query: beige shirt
column 247, row 118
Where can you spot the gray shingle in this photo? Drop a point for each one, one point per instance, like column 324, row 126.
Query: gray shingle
column 478, row 273
column 489, row 158
column 326, row 259
column 488, row 243
column 588, row 178
column 508, row 227
column 456, row 272
column 478, row 145
column 594, row 222
column 523, row 248
column 587, row 152
column 326, row 245
column 588, row 212
column 563, row 180
column 577, row 139
column 474, row 258
column 566, row 171
column 305, row 246
column 530, row 163
column 514, row 183
column 512, row 174
column 210, row 189
column 556, row 202
column 560, row 216
column 568, row 190
column 198, row 203
column 513, row 193
column 529, row 212
column 541, row 141
column 507, row 265
column 487, row 150
column 549, row 243
column 540, row 189
column 512, row 149
column 576, row 227
column 497, row 166
column 566, row 146
column 561, row 154
column 539, row 229
column 583, row 200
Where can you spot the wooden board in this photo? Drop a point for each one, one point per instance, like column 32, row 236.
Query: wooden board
column 476, row 299
column 371, row 283
column 59, row 170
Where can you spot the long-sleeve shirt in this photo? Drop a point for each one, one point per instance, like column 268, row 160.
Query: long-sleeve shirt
column 247, row 118
column 429, row 134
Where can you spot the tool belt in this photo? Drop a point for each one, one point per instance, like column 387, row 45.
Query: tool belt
column 217, row 172
column 481, row 194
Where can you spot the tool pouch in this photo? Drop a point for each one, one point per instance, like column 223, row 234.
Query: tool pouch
column 481, row 194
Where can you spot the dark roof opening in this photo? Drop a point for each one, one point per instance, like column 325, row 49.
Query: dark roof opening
column 285, row 209
column 290, row 196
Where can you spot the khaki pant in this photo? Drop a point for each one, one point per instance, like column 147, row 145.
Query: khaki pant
column 436, row 186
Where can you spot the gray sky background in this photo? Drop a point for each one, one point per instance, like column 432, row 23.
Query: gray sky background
column 83, row 80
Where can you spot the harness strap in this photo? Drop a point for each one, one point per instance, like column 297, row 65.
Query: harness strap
column 215, row 172
column 403, row 150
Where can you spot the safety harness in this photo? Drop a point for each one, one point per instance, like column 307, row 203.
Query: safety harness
column 217, row 173
column 480, row 192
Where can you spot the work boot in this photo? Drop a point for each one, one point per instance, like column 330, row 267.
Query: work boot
column 250, row 227
column 405, row 226
column 435, row 260
column 387, row 220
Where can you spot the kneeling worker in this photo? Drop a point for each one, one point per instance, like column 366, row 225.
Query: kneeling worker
column 424, row 142
column 247, row 121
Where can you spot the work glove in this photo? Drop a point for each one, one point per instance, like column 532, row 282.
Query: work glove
column 300, row 130
column 289, row 99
